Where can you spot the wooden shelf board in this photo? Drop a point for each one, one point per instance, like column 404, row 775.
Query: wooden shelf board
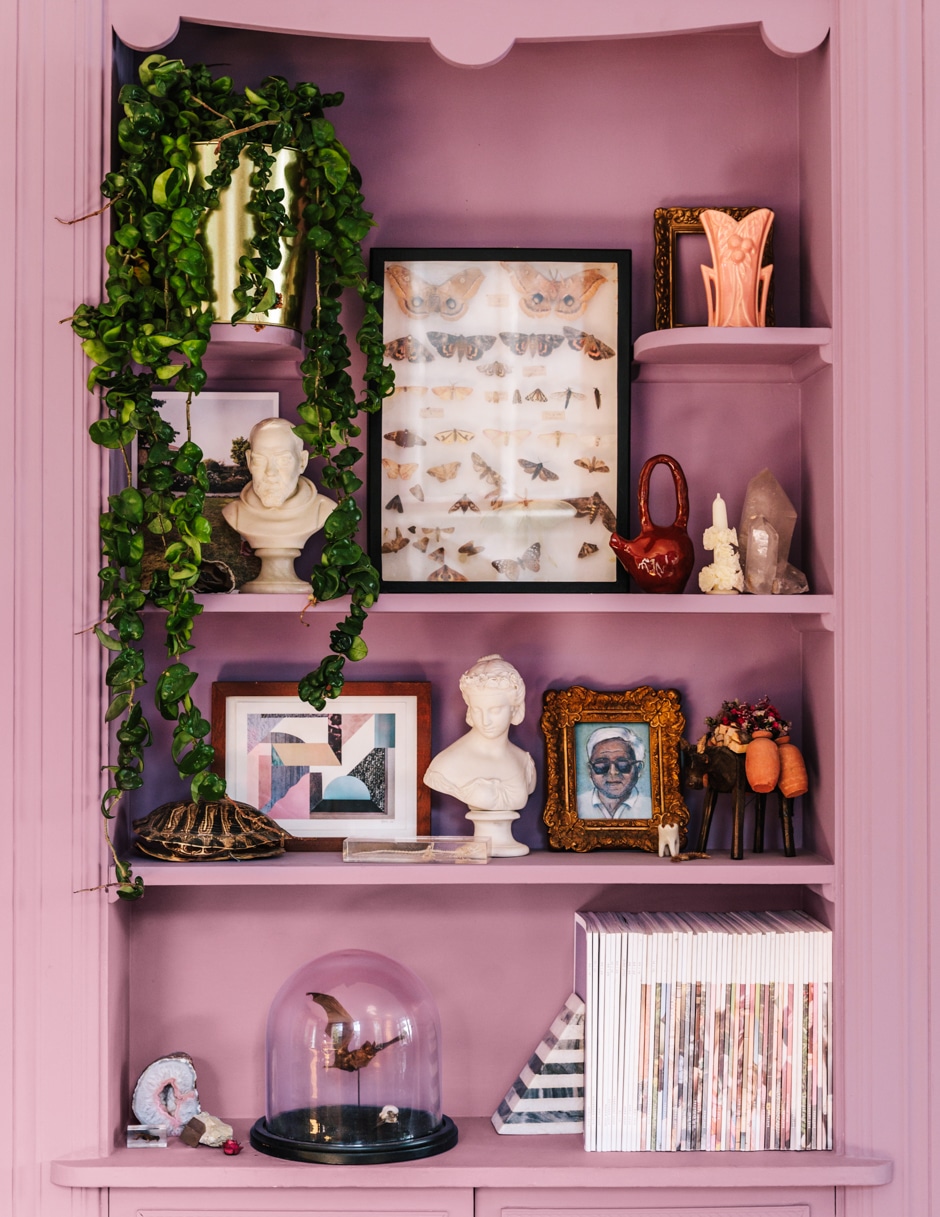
column 521, row 602
column 696, row 353
column 626, row 867
column 481, row 1158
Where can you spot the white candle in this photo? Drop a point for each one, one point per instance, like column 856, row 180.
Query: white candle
column 719, row 513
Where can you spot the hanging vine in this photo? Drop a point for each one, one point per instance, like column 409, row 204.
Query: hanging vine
column 149, row 334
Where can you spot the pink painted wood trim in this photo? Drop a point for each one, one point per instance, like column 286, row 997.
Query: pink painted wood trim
column 481, row 1158
column 482, row 33
column 806, row 607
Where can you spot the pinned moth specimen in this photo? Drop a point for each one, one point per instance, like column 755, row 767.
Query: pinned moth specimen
column 339, row 1028
column 512, row 568
column 418, row 298
column 531, row 344
column 495, row 369
column 557, row 436
column 587, row 549
column 405, row 439
column 454, row 436
column 536, row 395
column 394, row 504
column 470, row 347
column 506, row 437
column 392, row 544
column 594, row 508
column 597, row 398
column 495, row 396
column 487, row 473
column 410, row 349
column 444, row 473
column 437, row 534
column 537, row 470
column 437, row 555
column 417, row 492
column 567, row 396
column 588, row 343
column 464, row 504
column 452, row 392
column 541, row 294
column 445, row 574
column 593, row 464
column 417, row 390
column 468, row 549
column 516, row 397
column 393, row 470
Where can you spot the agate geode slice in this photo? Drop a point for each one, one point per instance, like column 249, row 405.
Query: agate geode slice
column 166, row 1093
column 220, row 831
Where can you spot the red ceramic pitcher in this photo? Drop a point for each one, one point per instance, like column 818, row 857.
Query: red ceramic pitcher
column 660, row 559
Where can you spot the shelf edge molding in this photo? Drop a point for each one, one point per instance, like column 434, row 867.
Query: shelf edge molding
column 480, row 34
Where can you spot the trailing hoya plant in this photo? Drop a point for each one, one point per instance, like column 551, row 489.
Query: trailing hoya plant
column 150, row 333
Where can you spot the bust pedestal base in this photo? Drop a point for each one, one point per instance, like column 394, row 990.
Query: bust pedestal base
column 497, row 827
column 277, row 573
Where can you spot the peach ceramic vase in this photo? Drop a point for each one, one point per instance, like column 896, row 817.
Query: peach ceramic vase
column 793, row 780
column 737, row 284
column 762, row 763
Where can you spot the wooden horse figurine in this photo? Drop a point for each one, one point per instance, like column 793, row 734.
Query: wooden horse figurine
column 718, row 770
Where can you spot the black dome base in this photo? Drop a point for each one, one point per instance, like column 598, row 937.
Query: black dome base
column 375, row 1142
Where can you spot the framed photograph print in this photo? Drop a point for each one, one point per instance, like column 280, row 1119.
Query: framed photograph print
column 494, row 465
column 612, row 774
column 353, row 769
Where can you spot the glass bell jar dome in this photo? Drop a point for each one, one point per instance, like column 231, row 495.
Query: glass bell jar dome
column 353, row 1065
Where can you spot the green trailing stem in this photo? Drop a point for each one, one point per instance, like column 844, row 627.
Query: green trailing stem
column 149, row 335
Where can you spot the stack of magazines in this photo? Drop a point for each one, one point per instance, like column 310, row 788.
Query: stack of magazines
column 705, row 1031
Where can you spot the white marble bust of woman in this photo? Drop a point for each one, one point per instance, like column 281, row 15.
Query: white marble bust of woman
column 482, row 768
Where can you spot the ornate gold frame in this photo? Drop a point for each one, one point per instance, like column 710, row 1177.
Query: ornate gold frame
column 660, row 711
column 669, row 223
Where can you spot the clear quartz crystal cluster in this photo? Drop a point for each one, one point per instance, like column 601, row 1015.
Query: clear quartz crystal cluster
column 767, row 523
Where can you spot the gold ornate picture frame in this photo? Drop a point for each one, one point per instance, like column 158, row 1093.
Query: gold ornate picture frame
column 612, row 774
column 669, row 223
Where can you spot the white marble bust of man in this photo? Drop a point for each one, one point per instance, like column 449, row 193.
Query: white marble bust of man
column 280, row 509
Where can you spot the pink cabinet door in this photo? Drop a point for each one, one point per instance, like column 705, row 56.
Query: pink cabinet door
column 292, row 1202
column 688, row 1202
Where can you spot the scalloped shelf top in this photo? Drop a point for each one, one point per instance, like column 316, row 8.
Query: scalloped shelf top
column 695, row 353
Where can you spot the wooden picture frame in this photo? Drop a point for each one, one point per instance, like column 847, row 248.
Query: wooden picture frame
column 634, row 734
column 495, row 464
column 373, row 763
column 670, row 223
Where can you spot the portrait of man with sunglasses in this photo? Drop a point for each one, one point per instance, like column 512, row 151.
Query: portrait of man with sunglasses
column 616, row 759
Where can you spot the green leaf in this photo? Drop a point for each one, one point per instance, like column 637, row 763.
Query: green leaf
column 118, row 705
column 167, row 189
column 106, row 640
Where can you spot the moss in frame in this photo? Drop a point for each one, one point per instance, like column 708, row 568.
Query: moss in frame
column 669, row 223
column 656, row 716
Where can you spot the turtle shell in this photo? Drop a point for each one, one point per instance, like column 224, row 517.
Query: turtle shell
column 225, row 830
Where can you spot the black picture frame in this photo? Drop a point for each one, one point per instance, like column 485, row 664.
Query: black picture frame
column 496, row 464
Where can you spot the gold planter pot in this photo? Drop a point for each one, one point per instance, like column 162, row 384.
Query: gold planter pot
column 228, row 231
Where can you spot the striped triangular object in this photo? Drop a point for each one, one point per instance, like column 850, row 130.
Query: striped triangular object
column 548, row 1095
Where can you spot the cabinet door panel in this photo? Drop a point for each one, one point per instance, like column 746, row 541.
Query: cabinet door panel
column 292, row 1203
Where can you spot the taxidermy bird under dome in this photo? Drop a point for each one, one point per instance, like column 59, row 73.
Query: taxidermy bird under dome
column 353, row 1065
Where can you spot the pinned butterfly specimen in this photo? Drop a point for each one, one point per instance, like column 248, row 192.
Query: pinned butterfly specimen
column 419, row 298
column 487, row 473
column 557, row 436
column 468, row 550
column 531, row 344
column 454, row 436
column 568, row 395
column 452, row 392
column 536, row 395
column 541, row 294
column 594, row 508
column 512, row 568
column 495, row 396
column 495, row 369
column 339, row 1030
column 444, row 473
column 405, row 439
column 409, row 349
column 464, row 504
column 506, row 437
column 537, row 470
column 393, row 470
column 593, row 465
column 444, row 574
column 394, row 504
column 471, row 347
column 591, row 346
column 390, row 544
column 417, row 492
column 587, row 549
